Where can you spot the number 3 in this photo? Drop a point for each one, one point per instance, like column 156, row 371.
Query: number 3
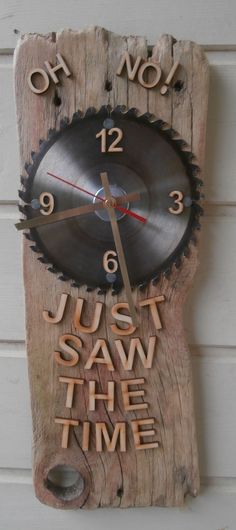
column 178, row 201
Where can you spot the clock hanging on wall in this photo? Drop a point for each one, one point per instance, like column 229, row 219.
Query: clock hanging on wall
column 111, row 202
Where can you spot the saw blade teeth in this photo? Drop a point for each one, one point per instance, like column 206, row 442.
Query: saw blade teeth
column 186, row 252
column 121, row 109
column 142, row 286
column 103, row 111
column 28, row 236
column 146, row 116
column 181, row 144
column 35, row 248
column 76, row 284
column 192, row 169
column 22, row 209
column 187, row 156
column 23, row 195
column 196, row 196
column 158, row 123
column 198, row 181
column 178, row 263
column 167, row 271
column 23, row 180
column 115, row 291
column 156, row 279
column 90, row 112
column 44, row 260
column 63, row 123
column 77, row 116
column 51, row 133
column 102, row 291
column 28, row 168
column 193, row 239
column 133, row 112
column 197, row 225
column 171, row 133
column 63, row 277
column 198, row 209
column 90, row 288
column 53, row 269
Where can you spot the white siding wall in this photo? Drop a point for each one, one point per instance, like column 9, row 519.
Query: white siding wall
column 211, row 311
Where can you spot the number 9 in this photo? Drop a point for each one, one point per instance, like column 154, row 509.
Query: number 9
column 46, row 200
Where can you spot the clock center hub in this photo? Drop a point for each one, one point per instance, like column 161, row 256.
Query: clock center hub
column 116, row 191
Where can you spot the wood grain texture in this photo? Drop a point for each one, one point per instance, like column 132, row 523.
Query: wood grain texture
column 219, row 182
column 163, row 476
column 214, row 371
column 211, row 304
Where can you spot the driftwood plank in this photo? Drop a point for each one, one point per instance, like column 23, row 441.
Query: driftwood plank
column 164, row 475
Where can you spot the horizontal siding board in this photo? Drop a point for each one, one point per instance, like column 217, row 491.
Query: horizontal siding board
column 210, row 308
column 211, row 305
column 214, row 382
column 214, row 509
column 220, row 182
column 11, row 283
column 9, row 160
column 206, row 22
column 220, row 174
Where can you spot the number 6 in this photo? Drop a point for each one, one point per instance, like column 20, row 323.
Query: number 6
column 110, row 264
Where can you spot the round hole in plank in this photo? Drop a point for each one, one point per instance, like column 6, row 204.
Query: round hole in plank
column 65, row 482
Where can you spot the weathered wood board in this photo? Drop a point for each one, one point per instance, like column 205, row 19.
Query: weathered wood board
column 161, row 475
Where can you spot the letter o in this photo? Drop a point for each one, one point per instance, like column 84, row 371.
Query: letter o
column 141, row 71
column 45, row 77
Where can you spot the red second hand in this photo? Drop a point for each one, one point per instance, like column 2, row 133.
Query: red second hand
column 120, row 208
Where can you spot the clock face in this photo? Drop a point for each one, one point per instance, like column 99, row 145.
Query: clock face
column 153, row 188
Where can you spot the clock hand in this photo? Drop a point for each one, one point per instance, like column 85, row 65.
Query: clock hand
column 120, row 208
column 119, row 247
column 72, row 212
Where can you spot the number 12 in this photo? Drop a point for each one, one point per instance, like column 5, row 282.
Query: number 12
column 113, row 147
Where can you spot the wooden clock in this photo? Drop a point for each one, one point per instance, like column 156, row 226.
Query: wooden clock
column 112, row 138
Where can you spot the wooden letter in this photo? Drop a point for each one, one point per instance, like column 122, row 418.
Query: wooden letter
column 141, row 434
column 102, row 433
column 60, row 312
column 45, row 77
column 106, row 359
column 109, row 397
column 61, row 65
column 125, row 61
column 74, row 356
column 123, row 318
column 71, row 381
column 157, row 77
column 136, row 345
column 65, row 430
column 86, row 436
column 164, row 88
column 96, row 318
column 152, row 302
column 127, row 394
